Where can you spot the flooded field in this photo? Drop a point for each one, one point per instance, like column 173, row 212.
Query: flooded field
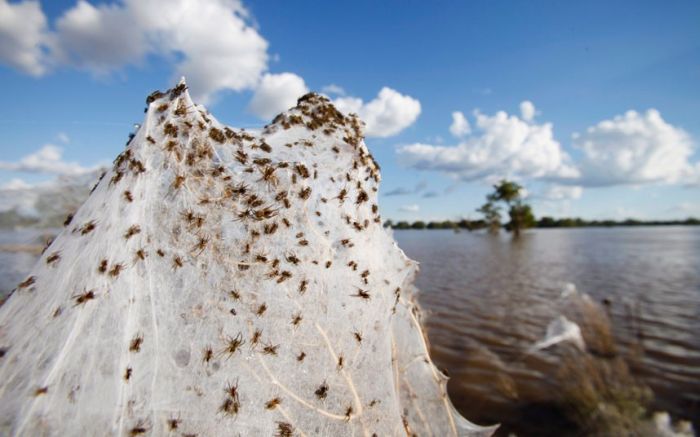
column 488, row 300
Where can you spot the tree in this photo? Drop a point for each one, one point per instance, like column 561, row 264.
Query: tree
column 492, row 216
column 418, row 225
column 521, row 217
column 520, row 213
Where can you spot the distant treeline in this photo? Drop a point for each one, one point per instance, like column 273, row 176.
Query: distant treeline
column 544, row 222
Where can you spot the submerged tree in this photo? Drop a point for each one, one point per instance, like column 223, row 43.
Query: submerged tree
column 492, row 216
column 520, row 213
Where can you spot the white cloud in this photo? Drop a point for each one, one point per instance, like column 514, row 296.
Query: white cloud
column 635, row 148
column 14, row 185
column 527, row 110
column 333, row 89
column 23, row 36
column 503, row 146
column 460, row 125
column 212, row 43
column 277, row 93
column 100, row 38
column 388, row 114
column 410, row 208
column 48, row 159
column 562, row 192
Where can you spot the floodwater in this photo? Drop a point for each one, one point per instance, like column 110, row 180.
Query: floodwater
column 487, row 300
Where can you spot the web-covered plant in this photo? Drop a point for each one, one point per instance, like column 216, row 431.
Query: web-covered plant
column 218, row 282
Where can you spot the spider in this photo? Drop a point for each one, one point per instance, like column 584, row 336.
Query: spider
column 322, row 391
column 358, row 336
column 362, row 294
column 270, row 349
column 136, row 342
column 115, row 270
column 233, row 344
column 133, row 230
column 273, row 403
column 53, row 258
column 83, row 297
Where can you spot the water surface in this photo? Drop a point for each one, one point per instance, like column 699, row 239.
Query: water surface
column 487, row 300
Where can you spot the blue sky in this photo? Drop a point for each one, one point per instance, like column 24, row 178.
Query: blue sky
column 75, row 77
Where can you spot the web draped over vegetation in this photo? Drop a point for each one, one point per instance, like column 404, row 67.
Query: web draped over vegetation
column 219, row 282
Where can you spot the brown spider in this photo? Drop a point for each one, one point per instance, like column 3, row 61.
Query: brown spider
column 302, row 170
column 136, row 342
column 273, row 403
column 53, row 258
column 358, row 336
column 256, row 338
column 361, row 197
column 270, row 349
column 83, row 297
column 322, row 391
column 232, row 390
column 87, row 227
column 208, row 354
column 177, row 262
column 173, row 424
column 284, row 275
column 178, row 181
column 41, row 391
column 233, row 344
column 362, row 294
column 305, row 193
column 284, row 429
column 230, row 406
column 115, row 270
column 133, row 230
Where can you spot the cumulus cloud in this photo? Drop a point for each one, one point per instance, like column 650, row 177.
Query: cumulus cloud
column 23, row 36
column 635, row 148
column 212, row 43
column 48, row 159
column 562, row 192
column 503, row 146
column 410, row 208
column 527, row 110
column 15, row 184
column 460, row 125
column 386, row 115
column 276, row 93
